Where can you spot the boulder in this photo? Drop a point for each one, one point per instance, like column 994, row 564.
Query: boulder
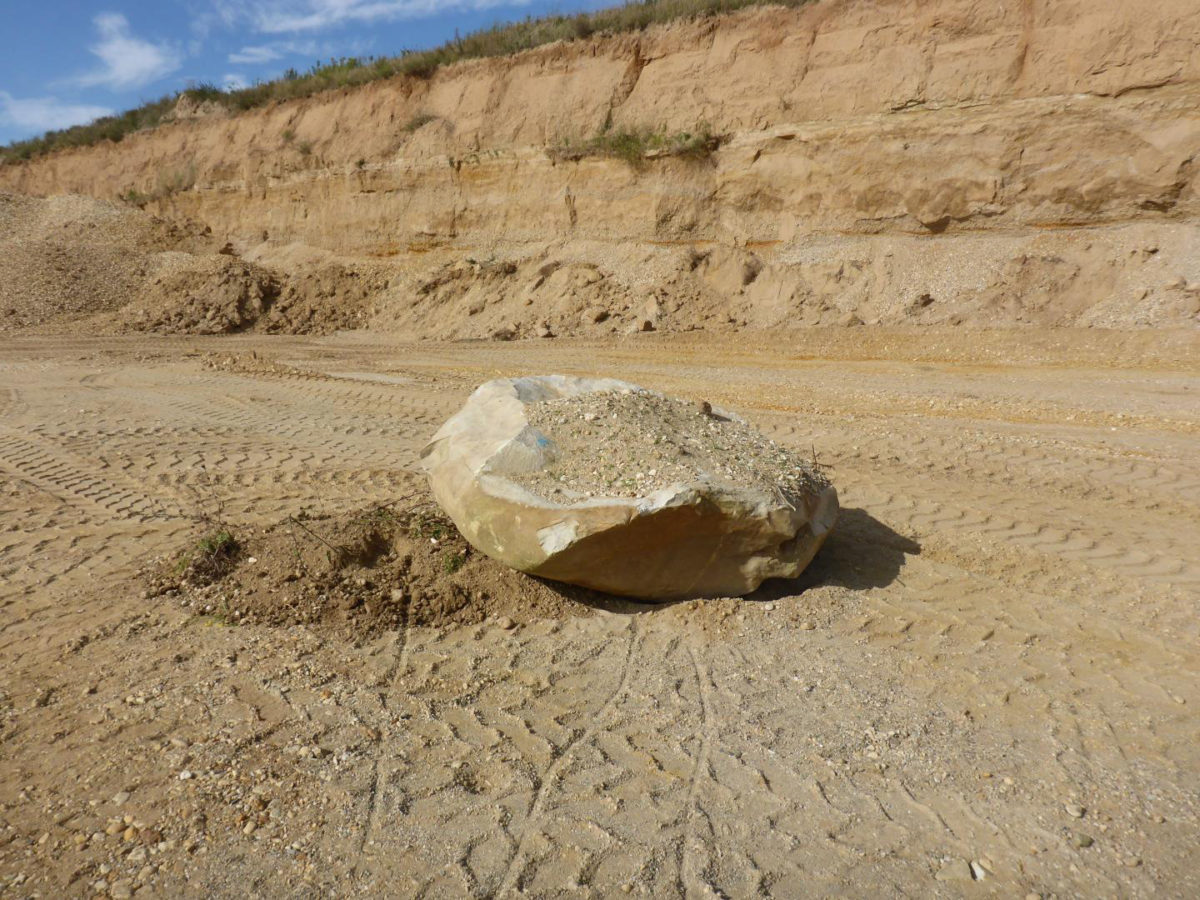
column 495, row 473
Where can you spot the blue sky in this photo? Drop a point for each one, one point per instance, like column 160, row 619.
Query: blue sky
column 64, row 62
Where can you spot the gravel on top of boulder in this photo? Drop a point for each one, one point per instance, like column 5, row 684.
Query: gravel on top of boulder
column 632, row 442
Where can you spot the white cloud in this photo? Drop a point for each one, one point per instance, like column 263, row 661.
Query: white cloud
column 285, row 16
column 253, row 56
column 46, row 113
column 265, row 53
column 233, row 82
column 128, row 61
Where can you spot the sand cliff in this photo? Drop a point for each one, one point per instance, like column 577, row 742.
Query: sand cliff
column 950, row 161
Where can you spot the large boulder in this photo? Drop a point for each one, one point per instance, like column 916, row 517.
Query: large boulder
column 599, row 483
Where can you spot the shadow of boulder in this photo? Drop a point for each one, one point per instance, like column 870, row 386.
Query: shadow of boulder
column 861, row 553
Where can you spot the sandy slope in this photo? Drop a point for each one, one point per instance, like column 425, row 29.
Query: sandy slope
column 994, row 661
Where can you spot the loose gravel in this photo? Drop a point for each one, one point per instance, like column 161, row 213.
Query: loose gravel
column 632, row 443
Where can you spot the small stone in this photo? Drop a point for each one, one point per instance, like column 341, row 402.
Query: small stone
column 250, row 828
column 1075, row 811
column 130, row 834
column 1081, row 840
column 121, row 798
column 807, row 626
column 1133, row 862
column 955, row 870
column 185, row 775
column 121, row 890
column 978, row 871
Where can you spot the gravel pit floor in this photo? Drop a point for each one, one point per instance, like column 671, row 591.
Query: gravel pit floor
column 986, row 683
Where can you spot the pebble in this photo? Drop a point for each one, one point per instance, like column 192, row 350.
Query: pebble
column 955, row 870
column 1082, row 841
column 1075, row 810
column 185, row 775
column 978, row 870
column 121, row 798
column 121, row 890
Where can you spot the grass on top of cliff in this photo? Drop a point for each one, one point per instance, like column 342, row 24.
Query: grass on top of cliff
column 499, row 40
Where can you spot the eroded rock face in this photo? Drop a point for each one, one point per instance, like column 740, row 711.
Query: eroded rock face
column 703, row 537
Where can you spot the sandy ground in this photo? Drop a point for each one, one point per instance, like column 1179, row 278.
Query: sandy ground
column 986, row 684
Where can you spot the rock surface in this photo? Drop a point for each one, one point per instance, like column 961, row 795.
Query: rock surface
column 708, row 536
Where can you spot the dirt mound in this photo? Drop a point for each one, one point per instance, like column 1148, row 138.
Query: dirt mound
column 386, row 567
column 66, row 258
column 202, row 295
column 323, row 299
column 71, row 259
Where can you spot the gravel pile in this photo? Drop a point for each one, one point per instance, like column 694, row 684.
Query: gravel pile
column 632, row 443
column 65, row 258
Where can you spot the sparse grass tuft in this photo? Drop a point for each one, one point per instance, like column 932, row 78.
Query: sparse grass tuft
column 636, row 145
column 418, row 121
column 499, row 40
column 211, row 558
column 452, row 562
column 168, row 182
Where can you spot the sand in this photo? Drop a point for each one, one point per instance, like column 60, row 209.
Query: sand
column 985, row 683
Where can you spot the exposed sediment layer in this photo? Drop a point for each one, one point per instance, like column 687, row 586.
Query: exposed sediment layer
column 1065, row 132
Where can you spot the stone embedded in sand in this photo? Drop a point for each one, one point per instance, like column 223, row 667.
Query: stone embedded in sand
column 714, row 509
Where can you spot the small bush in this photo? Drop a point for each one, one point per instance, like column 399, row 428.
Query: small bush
column 636, row 145
column 211, row 558
column 305, row 148
column 288, row 135
column 420, row 120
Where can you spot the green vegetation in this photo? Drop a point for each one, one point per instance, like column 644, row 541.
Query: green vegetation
column 417, row 121
column 500, row 40
column 169, row 181
column 452, row 562
column 636, row 145
column 211, row 557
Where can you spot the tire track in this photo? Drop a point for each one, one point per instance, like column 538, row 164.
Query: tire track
column 692, row 880
column 516, row 864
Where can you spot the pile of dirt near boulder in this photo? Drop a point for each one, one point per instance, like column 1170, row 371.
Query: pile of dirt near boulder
column 385, row 567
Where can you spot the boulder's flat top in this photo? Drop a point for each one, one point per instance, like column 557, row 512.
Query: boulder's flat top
column 632, row 442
